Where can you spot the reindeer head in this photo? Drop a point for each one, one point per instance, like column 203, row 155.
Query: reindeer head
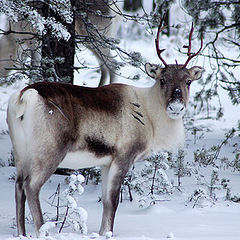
column 174, row 79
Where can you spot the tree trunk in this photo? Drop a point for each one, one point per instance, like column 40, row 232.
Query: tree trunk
column 164, row 9
column 132, row 5
column 58, row 55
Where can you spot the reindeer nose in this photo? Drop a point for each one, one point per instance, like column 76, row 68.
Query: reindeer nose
column 177, row 93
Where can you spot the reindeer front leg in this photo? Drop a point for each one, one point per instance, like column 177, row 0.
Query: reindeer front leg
column 112, row 177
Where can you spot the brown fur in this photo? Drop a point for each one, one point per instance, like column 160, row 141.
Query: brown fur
column 52, row 124
column 72, row 98
column 174, row 75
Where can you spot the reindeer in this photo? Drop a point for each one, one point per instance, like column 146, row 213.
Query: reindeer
column 61, row 125
column 102, row 14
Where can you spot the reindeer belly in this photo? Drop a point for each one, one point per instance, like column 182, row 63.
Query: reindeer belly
column 83, row 159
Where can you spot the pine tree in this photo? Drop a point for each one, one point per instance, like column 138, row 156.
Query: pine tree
column 151, row 181
column 221, row 20
column 181, row 168
column 52, row 22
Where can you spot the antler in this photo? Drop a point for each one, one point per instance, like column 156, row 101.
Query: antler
column 159, row 51
column 189, row 48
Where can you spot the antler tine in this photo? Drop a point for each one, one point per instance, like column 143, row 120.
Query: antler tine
column 190, row 46
column 159, row 51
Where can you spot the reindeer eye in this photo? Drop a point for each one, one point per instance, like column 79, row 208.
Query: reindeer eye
column 189, row 82
column 162, row 81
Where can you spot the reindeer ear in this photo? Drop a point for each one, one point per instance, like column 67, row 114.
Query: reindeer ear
column 153, row 70
column 196, row 72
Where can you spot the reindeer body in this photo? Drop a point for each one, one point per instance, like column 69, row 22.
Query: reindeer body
column 54, row 124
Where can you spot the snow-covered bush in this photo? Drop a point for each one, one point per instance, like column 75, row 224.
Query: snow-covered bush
column 206, row 194
column 93, row 174
column 211, row 156
column 75, row 216
column 151, row 180
column 180, row 168
column 199, row 198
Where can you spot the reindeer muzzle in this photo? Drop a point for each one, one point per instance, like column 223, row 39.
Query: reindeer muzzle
column 176, row 107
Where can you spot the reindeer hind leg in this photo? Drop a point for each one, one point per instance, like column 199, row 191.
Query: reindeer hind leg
column 20, row 199
column 33, row 185
column 32, row 193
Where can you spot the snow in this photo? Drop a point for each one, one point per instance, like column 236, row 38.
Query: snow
column 45, row 228
column 170, row 236
column 173, row 216
column 109, row 234
column 159, row 221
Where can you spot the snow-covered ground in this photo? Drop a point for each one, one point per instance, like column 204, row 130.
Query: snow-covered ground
column 172, row 218
column 218, row 222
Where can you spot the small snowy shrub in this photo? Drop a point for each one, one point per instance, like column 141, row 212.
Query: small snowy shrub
column 93, row 174
column 128, row 185
column 208, row 190
column 11, row 162
column 12, row 177
column 236, row 198
column 152, row 180
column 199, row 198
column 211, row 157
column 214, row 184
column 225, row 185
column 236, row 161
column 75, row 216
column 2, row 163
column 181, row 169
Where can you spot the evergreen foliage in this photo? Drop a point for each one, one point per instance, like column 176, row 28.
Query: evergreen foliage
column 18, row 10
column 221, row 21
column 74, row 216
column 52, row 23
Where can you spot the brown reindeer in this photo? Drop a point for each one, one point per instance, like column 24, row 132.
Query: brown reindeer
column 61, row 125
column 103, row 14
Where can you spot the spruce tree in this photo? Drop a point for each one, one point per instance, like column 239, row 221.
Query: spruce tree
column 52, row 23
column 219, row 23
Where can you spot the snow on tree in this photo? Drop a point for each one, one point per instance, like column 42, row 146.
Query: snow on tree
column 51, row 23
column 151, row 180
column 76, row 216
column 219, row 22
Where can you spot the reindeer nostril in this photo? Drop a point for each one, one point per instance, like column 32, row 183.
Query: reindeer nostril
column 170, row 108
column 177, row 90
column 182, row 109
column 177, row 93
